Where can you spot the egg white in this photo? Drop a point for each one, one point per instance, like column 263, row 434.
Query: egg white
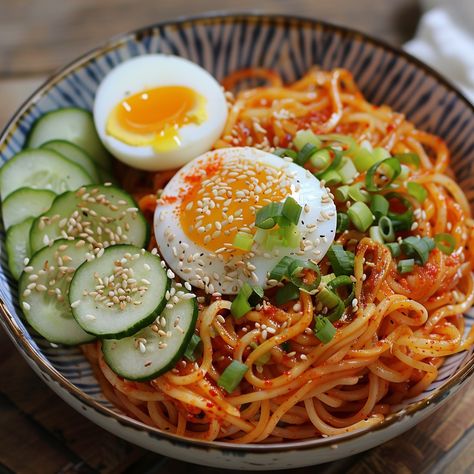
column 317, row 226
column 147, row 72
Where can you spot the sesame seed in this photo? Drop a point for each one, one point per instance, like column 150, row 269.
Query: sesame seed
column 26, row 306
column 90, row 317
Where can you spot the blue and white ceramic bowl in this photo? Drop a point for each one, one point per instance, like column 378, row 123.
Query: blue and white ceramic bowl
column 223, row 44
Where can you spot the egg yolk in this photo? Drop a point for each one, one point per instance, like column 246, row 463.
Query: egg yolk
column 223, row 198
column 154, row 116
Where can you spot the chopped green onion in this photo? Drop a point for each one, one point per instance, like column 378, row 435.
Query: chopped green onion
column 243, row 241
column 342, row 222
column 320, row 159
column 247, row 298
column 303, row 137
column 394, row 248
column 406, row 266
column 330, row 177
column 304, row 154
column 282, row 152
column 391, row 169
column 291, row 210
column 287, row 293
column 190, row 352
column 360, row 215
column 342, row 262
column 430, row 242
column 417, row 191
column 404, row 220
column 280, row 270
column 343, row 280
column 416, row 248
column 232, row 375
column 332, row 302
column 375, row 234
column 341, row 193
column 325, row 279
column 445, row 242
column 408, row 159
column 323, row 329
column 347, row 171
column 386, row 229
column 379, row 206
column 290, row 236
column 334, row 165
column 266, row 217
column 295, row 270
column 356, row 193
column 380, row 153
column 363, row 159
column 404, row 173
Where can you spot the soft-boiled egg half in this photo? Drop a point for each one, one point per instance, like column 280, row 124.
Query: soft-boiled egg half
column 157, row 112
column 218, row 195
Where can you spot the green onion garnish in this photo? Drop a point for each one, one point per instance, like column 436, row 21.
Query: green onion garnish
column 304, row 154
column 403, row 220
column 243, row 241
column 342, row 261
column 334, row 165
column 303, row 137
column 323, row 329
column 287, row 293
column 417, row 191
column 406, row 266
column 360, row 215
column 347, row 171
column 341, row 281
column 291, row 210
column 375, row 234
column 280, row 270
column 320, row 159
column 364, row 159
column 356, row 193
column 266, row 217
column 282, row 152
column 394, row 248
column 408, row 159
column 262, row 360
column 386, row 229
column 190, row 352
column 430, row 242
column 247, row 298
column 232, row 375
column 445, row 242
column 341, row 193
column 296, row 269
column 342, row 222
column 332, row 302
column 416, row 248
column 391, row 169
column 379, row 206
column 331, row 177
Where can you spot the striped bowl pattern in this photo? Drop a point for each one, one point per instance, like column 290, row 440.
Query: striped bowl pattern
column 223, row 44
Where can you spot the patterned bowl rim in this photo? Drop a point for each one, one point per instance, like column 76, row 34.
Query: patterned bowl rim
column 439, row 395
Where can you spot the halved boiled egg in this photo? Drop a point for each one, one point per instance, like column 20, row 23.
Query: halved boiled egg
column 157, row 112
column 216, row 196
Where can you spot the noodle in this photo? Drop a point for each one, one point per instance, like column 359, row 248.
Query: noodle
column 388, row 349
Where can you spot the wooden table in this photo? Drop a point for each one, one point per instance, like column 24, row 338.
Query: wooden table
column 39, row 433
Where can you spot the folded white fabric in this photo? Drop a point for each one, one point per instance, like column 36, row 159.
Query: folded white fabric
column 445, row 41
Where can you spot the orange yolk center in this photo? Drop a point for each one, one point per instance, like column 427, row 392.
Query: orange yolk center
column 224, row 197
column 152, row 110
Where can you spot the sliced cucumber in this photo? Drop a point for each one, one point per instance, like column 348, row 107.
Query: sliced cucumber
column 102, row 215
column 24, row 203
column 155, row 349
column 44, row 288
column 75, row 154
column 120, row 292
column 41, row 169
column 74, row 125
column 17, row 244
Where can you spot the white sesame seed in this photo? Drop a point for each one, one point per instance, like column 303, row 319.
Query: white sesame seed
column 26, row 306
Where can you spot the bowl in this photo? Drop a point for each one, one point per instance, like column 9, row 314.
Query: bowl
column 222, row 44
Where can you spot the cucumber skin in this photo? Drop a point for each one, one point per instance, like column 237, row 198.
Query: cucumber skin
column 179, row 353
column 34, row 226
column 106, row 158
column 139, row 325
column 11, row 258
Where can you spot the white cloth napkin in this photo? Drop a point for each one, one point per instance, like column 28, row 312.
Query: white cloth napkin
column 445, row 41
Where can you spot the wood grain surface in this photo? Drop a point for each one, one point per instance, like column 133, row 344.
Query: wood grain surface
column 39, row 433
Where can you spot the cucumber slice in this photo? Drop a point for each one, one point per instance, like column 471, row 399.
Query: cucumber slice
column 102, row 215
column 41, row 169
column 161, row 350
column 17, row 243
column 44, row 288
column 24, row 203
column 75, row 154
column 74, row 125
column 120, row 292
